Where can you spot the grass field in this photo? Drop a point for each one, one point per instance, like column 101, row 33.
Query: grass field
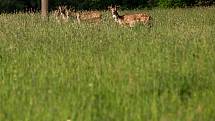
column 58, row 72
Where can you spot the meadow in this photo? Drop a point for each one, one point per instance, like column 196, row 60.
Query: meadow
column 53, row 71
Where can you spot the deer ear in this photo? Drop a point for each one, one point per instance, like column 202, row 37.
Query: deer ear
column 114, row 7
column 73, row 10
column 59, row 7
column 110, row 6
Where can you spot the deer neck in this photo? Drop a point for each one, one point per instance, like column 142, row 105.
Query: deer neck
column 116, row 16
column 78, row 18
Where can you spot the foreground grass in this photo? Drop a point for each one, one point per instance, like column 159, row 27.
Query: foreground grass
column 55, row 72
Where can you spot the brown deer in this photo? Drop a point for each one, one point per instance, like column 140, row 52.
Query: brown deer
column 90, row 16
column 62, row 14
column 130, row 19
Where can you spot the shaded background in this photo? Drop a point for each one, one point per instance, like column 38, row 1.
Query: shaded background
column 25, row 5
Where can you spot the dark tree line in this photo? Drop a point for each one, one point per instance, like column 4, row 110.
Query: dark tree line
column 22, row 5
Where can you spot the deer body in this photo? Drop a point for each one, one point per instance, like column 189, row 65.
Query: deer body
column 91, row 16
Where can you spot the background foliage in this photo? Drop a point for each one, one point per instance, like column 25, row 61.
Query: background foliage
column 12, row 5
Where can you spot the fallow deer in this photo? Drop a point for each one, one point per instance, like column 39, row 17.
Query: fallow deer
column 90, row 16
column 130, row 19
column 62, row 14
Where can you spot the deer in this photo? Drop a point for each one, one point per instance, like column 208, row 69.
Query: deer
column 90, row 16
column 130, row 19
column 62, row 14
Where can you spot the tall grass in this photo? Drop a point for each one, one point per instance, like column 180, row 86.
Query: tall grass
column 53, row 71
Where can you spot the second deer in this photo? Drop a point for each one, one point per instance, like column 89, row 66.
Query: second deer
column 89, row 16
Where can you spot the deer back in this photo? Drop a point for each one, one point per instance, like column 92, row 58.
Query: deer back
column 86, row 15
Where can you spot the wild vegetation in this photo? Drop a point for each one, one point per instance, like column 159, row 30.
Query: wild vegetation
column 51, row 71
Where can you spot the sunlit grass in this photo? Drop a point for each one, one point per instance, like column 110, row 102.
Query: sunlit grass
column 53, row 71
